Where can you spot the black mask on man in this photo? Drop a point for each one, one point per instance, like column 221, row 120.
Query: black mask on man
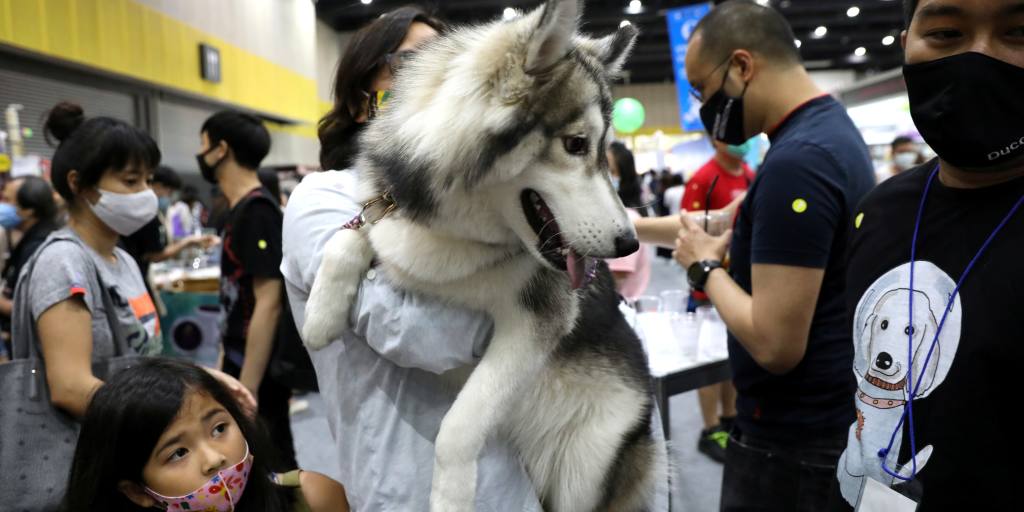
column 723, row 115
column 968, row 108
column 208, row 171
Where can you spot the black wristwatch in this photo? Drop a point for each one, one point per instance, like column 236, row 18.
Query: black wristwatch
column 698, row 273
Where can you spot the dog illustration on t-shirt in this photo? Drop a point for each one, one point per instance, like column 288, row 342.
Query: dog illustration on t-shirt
column 894, row 356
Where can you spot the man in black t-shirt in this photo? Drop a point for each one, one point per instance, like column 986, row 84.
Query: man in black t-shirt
column 935, row 281
column 233, row 145
column 782, row 300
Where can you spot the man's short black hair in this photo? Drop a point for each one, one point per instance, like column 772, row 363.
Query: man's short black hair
column 245, row 134
column 901, row 140
column 909, row 6
column 167, row 177
column 742, row 24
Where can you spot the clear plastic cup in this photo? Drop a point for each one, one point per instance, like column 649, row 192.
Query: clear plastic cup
column 715, row 223
column 647, row 304
column 674, row 301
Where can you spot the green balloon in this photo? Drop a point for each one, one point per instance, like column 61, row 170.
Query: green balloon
column 628, row 115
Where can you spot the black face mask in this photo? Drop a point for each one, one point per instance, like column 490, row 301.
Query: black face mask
column 968, row 108
column 208, row 171
column 723, row 115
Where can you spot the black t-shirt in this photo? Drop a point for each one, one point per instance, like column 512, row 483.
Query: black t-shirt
column 30, row 242
column 797, row 213
column 252, row 248
column 148, row 239
column 968, row 414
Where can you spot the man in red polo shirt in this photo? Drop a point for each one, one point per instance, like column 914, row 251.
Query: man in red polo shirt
column 719, row 182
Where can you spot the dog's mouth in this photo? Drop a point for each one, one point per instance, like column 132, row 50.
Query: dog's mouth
column 550, row 243
column 888, row 386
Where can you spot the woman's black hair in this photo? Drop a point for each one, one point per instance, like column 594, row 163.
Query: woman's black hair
column 366, row 52
column 126, row 418
column 630, row 186
column 91, row 146
column 35, row 194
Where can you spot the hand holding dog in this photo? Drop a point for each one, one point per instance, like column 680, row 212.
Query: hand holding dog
column 693, row 244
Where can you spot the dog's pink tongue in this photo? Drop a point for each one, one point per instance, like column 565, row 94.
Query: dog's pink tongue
column 577, row 266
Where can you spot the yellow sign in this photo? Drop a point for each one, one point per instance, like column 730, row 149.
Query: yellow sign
column 5, row 163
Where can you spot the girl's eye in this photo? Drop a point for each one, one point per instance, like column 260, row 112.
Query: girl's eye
column 220, row 429
column 178, row 454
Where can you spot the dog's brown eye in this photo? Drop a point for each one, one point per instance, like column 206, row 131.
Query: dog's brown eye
column 576, row 144
column 885, row 324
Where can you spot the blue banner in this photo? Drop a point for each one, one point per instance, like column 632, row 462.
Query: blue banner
column 681, row 22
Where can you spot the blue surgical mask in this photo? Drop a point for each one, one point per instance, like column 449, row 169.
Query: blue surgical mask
column 615, row 182
column 740, row 151
column 163, row 203
column 9, row 217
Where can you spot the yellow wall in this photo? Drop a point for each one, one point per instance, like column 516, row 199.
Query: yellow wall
column 128, row 38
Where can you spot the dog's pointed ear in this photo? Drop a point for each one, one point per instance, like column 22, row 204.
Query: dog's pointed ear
column 551, row 40
column 615, row 48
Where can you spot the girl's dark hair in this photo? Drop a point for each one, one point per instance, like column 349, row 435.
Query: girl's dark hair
column 366, row 52
column 126, row 418
column 91, row 146
column 35, row 194
column 629, row 183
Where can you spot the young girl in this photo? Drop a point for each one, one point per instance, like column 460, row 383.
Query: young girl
column 165, row 434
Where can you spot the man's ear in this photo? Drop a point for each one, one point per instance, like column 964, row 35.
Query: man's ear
column 136, row 494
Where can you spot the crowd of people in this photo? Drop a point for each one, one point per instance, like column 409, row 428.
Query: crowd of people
column 871, row 327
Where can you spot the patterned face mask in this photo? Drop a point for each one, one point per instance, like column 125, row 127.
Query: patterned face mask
column 221, row 493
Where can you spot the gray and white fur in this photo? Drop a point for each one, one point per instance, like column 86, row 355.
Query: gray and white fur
column 491, row 130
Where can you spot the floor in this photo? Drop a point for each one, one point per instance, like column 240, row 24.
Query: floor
column 697, row 481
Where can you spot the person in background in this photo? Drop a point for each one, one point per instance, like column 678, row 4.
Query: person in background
column 722, row 180
column 783, row 296
column 232, row 145
column 674, row 193
column 150, row 243
column 905, row 155
column 182, row 221
column 938, row 378
column 28, row 209
column 632, row 272
column 272, row 182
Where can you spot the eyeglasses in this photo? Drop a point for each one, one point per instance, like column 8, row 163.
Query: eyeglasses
column 699, row 96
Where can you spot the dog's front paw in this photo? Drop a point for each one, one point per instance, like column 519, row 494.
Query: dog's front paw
column 346, row 257
column 454, row 488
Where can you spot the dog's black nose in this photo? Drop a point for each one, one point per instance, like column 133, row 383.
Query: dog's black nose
column 626, row 245
column 883, row 361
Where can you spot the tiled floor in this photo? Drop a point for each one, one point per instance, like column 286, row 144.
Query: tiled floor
column 697, row 479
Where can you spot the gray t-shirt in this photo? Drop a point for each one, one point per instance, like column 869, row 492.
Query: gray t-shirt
column 64, row 269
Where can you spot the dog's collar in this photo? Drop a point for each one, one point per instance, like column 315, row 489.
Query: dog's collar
column 385, row 200
column 880, row 403
column 881, row 384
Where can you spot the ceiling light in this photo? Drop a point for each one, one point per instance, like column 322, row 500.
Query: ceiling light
column 860, row 51
column 366, row 2
column 798, row 43
column 888, row 40
column 853, row 11
column 625, row 23
column 820, row 31
column 764, row 2
column 509, row 13
column 635, row 6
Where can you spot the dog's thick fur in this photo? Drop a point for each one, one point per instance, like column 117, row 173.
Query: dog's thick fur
column 479, row 117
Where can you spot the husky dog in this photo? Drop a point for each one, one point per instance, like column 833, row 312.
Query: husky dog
column 493, row 153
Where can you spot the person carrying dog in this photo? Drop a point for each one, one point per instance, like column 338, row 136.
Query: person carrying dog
column 934, row 279
column 782, row 299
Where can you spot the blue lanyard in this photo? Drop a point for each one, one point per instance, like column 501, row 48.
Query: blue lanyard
column 908, row 411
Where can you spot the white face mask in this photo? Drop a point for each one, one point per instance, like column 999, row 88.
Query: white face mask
column 905, row 160
column 126, row 213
